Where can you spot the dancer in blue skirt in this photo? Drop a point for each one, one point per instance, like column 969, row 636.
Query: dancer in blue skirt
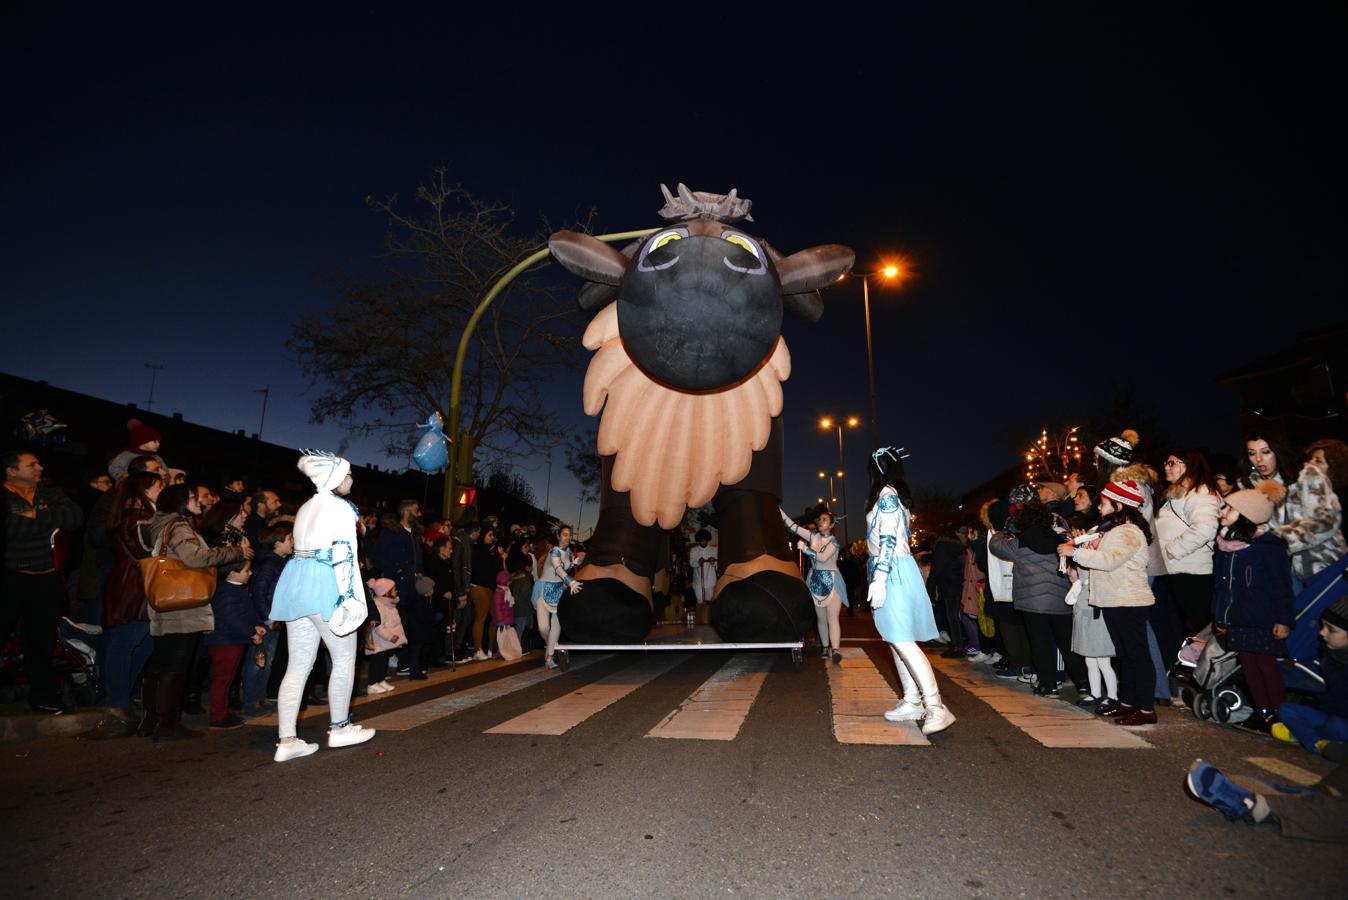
column 898, row 596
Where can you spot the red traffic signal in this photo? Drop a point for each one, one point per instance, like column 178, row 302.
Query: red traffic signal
column 467, row 496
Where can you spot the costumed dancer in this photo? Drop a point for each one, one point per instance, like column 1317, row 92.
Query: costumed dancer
column 825, row 582
column 318, row 595
column 898, row 595
column 702, row 563
column 554, row 580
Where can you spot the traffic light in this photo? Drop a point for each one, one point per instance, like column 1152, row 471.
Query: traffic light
column 467, row 496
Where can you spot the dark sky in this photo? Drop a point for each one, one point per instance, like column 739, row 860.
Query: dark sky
column 1149, row 195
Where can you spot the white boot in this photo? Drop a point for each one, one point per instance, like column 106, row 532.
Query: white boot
column 938, row 718
column 349, row 736
column 910, row 708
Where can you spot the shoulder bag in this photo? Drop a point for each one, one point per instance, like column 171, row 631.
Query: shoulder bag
column 170, row 585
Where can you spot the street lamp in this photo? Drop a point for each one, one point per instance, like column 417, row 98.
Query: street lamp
column 895, row 272
column 827, row 423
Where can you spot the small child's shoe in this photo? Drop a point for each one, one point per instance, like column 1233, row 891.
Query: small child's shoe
column 1208, row 784
column 1282, row 733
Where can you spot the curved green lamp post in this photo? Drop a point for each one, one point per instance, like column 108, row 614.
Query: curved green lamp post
column 460, row 470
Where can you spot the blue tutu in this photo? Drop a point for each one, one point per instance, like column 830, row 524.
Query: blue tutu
column 536, row 593
column 307, row 587
column 906, row 615
column 552, row 592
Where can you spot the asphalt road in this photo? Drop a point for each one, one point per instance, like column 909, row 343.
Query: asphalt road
column 783, row 810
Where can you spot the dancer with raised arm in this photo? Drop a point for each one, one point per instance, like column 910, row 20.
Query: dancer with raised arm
column 554, row 581
column 825, row 582
column 320, row 597
column 897, row 594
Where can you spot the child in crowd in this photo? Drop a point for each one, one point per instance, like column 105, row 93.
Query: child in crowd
column 236, row 628
column 1252, row 596
column 1315, row 729
column 503, row 617
column 383, row 638
column 275, row 544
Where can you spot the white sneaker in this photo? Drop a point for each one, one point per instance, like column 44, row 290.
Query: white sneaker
column 943, row 637
column 293, row 750
column 938, row 718
column 479, row 656
column 348, row 736
column 387, row 685
column 379, row 687
column 906, row 711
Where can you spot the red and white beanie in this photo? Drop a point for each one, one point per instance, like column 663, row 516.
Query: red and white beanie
column 1125, row 492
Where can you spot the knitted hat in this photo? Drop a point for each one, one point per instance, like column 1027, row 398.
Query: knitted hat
column 1059, row 490
column 381, row 586
column 1337, row 614
column 1125, row 492
column 1022, row 494
column 140, row 434
column 1116, row 450
column 326, row 470
column 1257, row 503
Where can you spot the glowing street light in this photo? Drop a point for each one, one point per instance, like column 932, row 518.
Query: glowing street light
column 895, row 272
column 829, row 423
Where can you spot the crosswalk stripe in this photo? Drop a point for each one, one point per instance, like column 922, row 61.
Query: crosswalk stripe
column 418, row 714
column 561, row 715
column 1289, row 771
column 1053, row 723
column 860, row 696
column 717, row 709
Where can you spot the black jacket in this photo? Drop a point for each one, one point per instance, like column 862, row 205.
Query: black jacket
column 28, row 539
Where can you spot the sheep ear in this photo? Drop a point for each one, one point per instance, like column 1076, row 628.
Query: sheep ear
column 596, row 296
column 808, row 306
column 591, row 259
column 815, row 268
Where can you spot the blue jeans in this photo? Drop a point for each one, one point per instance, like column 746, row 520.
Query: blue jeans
column 126, row 650
column 1310, row 725
column 255, row 679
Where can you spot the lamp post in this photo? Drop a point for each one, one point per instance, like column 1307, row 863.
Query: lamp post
column 890, row 272
column 828, row 423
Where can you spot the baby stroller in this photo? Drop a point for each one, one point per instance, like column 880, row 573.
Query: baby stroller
column 1209, row 675
column 73, row 664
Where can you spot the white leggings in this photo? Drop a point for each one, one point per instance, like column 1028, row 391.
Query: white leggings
column 302, row 637
column 549, row 625
column 1098, row 667
column 826, row 619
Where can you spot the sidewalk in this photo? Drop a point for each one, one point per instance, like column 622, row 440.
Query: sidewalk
column 34, row 726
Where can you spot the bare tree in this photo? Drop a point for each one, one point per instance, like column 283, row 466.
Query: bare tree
column 382, row 356
column 582, row 461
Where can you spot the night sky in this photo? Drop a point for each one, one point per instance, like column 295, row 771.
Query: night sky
column 1148, row 195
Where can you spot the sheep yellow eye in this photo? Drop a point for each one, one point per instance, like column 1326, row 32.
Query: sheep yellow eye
column 743, row 242
column 665, row 238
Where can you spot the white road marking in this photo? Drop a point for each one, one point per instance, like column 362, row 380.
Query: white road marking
column 1053, row 723
column 565, row 713
column 860, row 697
column 717, row 709
column 421, row 713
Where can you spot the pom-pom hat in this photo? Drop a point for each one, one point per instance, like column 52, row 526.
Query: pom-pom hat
column 1116, row 450
column 139, row 434
column 381, row 586
column 1257, row 503
column 1124, row 492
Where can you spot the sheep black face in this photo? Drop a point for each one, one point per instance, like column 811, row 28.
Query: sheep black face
column 700, row 306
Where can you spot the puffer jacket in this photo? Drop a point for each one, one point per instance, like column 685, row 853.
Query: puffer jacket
column 1252, row 592
column 1118, row 568
column 235, row 615
column 1036, row 584
column 267, row 567
column 1186, row 529
column 183, row 544
column 1312, row 532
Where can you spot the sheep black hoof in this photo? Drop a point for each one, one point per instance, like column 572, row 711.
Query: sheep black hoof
column 765, row 607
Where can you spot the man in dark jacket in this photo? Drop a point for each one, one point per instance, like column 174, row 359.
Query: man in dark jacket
column 461, row 561
column 32, row 595
column 397, row 554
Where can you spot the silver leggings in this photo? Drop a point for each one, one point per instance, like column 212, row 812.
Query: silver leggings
column 302, row 637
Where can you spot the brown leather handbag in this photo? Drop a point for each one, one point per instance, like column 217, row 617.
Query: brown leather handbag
column 171, row 586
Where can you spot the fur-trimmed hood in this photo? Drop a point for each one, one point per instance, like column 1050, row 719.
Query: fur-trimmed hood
column 1139, row 472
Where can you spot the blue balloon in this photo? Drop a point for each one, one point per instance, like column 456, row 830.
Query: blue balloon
column 432, row 451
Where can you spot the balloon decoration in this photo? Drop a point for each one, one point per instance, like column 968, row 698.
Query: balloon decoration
column 431, row 453
column 687, row 379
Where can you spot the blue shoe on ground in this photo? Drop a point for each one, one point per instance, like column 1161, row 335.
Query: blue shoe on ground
column 1207, row 783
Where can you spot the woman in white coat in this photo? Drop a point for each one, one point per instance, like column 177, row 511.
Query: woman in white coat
column 1186, row 528
column 321, row 576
